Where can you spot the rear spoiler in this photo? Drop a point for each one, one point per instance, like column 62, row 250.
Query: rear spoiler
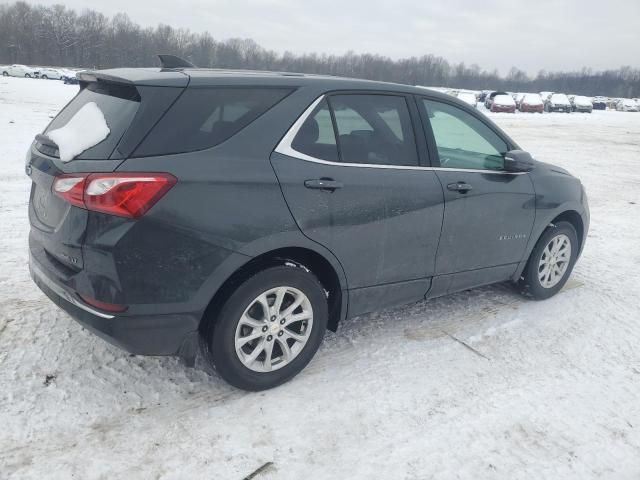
column 136, row 76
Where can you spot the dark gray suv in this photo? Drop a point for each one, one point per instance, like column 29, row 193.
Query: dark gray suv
column 246, row 212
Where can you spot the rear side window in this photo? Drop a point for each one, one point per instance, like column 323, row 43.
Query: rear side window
column 118, row 103
column 316, row 137
column 204, row 117
column 374, row 129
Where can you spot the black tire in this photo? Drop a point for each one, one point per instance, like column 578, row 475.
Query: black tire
column 26, row 75
column 220, row 334
column 5, row 74
column 44, row 77
column 529, row 284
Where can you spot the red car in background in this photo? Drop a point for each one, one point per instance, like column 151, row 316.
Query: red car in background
column 532, row 102
column 503, row 103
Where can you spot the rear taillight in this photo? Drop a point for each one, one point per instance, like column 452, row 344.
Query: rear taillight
column 122, row 194
column 71, row 188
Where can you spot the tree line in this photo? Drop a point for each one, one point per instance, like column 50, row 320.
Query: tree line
column 59, row 36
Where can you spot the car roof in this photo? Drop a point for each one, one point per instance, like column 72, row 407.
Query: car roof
column 212, row 77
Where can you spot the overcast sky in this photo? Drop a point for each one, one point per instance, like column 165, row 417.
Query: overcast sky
column 530, row 34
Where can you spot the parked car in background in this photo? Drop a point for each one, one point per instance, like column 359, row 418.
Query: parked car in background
column 119, row 239
column 47, row 73
column 599, row 103
column 17, row 70
column 69, row 77
column 483, row 95
column 489, row 98
column 468, row 97
column 532, row 103
column 627, row 105
column 557, row 102
column 503, row 103
column 580, row 103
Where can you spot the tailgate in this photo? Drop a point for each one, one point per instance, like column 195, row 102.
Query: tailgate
column 58, row 228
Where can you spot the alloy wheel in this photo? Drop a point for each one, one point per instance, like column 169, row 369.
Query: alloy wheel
column 274, row 329
column 554, row 261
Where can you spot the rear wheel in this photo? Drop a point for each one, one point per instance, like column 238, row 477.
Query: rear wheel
column 551, row 262
column 26, row 75
column 44, row 77
column 5, row 74
column 269, row 328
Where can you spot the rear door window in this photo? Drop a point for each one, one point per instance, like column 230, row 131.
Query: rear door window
column 118, row 103
column 374, row 129
column 204, row 117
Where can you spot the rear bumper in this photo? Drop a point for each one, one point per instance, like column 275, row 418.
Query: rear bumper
column 532, row 108
column 564, row 109
column 500, row 109
column 169, row 334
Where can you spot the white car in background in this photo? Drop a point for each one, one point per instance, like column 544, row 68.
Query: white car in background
column 627, row 105
column 17, row 70
column 580, row 103
column 468, row 97
column 50, row 73
column 558, row 102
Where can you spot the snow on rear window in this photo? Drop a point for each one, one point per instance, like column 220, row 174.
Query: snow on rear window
column 118, row 104
column 505, row 100
column 84, row 130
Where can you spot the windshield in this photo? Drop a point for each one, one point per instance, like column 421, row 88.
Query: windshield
column 559, row 99
column 532, row 99
column 503, row 100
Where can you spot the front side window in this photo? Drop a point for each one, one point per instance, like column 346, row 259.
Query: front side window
column 204, row 117
column 316, row 137
column 374, row 129
column 462, row 140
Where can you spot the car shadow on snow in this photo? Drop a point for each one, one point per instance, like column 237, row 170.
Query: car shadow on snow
column 458, row 316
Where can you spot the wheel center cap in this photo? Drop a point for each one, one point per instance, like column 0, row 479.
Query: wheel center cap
column 275, row 328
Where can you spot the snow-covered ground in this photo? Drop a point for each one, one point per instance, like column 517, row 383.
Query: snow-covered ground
column 553, row 392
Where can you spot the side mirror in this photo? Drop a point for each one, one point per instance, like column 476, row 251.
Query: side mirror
column 518, row 161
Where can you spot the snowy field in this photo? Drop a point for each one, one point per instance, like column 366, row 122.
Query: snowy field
column 552, row 391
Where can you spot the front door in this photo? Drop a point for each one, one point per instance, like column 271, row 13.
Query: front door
column 351, row 175
column 489, row 213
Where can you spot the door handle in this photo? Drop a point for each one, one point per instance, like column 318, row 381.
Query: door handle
column 328, row 184
column 461, row 187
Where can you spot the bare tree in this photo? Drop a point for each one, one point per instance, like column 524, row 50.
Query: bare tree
column 60, row 36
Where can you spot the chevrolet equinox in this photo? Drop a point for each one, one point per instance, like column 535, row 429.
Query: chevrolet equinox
column 243, row 213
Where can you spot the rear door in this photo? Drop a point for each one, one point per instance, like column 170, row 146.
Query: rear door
column 352, row 176
column 489, row 213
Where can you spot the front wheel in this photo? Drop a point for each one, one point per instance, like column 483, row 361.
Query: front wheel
column 269, row 329
column 5, row 74
column 26, row 75
column 551, row 262
column 44, row 77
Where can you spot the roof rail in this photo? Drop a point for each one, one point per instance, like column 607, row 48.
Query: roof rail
column 172, row 61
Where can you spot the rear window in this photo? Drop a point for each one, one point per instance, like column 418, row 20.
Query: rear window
column 205, row 117
column 118, row 103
